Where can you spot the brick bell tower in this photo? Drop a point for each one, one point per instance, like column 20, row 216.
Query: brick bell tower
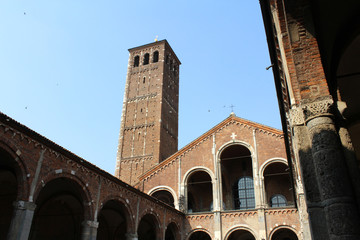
column 149, row 122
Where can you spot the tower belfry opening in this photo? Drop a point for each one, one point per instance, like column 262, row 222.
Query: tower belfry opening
column 148, row 137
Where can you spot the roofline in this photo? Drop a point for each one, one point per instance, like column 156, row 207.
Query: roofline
column 6, row 120
column 155, row 43
column 206, row 134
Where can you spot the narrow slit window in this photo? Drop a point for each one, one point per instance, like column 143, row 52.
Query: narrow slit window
column 146, row 59
column 136, row 61
column 156, row 57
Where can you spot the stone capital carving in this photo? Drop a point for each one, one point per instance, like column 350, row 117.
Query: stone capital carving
column 297, row 117
column 318, row 108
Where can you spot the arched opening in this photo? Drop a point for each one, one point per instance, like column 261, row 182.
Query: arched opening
column 199, row 235
column 284, row 234
column 237, row 178
column 348, row 83
column 200, row 193
column 156, row 56
column 147, row 229
column 59, row 212
column 146, row 59
column 136, row 61
column 8, row 191
column 277, row 184
column 164, row 196
column 241, row 235
column 112, row 221
column 172, row 232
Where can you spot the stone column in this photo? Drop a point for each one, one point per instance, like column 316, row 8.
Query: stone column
column 262, row 223
column 89, row 230
column 335, row 194
column 131, row 236
column 21, row 221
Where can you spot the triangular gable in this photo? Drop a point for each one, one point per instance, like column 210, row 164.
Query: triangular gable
column 222, row 124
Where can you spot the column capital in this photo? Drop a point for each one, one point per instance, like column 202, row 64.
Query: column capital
column 92, row 224
column 22, row 205
column 318, row 108
column 308, row 110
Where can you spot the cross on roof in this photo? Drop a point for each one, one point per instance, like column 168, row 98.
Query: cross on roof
column 232, row 107
column 233, row 136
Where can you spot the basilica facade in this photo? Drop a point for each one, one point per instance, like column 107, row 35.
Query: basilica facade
column 232, row 182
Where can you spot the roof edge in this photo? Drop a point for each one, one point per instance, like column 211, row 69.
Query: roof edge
column 206, row 134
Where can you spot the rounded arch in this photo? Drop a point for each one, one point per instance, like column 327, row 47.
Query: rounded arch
column 279, row 230
column 197, row 169
column 277, row 189
column 19, row 168
column 60, row 210
column 199, row 230
column 240, row 227
column 155, row 56
column 114, row 220
column 234, row 142
column 130, row 217
column 12, row 184
column 149, row 227
column 270, row 161
column 172, row 232
column 199, row 191
column 168, row 189
column 237, row 168
column 66, row 174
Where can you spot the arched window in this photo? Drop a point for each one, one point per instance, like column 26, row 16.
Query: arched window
column 156, row 56
column 164, row 196
column 136, row 61
column 167, row 59
column 277, row 182
column 199, row 192
column 246, row 195
column 278, row 200
column 237, row 175
column 146, row 59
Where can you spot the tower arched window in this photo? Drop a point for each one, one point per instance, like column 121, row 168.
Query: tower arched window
column 136, row 61
column 246, row 195
column 155, row 57
column 146, row 59
column 278, row 200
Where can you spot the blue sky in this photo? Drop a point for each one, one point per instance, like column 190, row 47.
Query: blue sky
column 63, row 66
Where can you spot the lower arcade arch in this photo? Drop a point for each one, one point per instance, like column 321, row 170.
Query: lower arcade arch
column 113, row 221
column 199, row 235
column 60, row 211
column 8, row 191
column 240, row 234
column 172, row 232
column 148, row 228
column 283, row 234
